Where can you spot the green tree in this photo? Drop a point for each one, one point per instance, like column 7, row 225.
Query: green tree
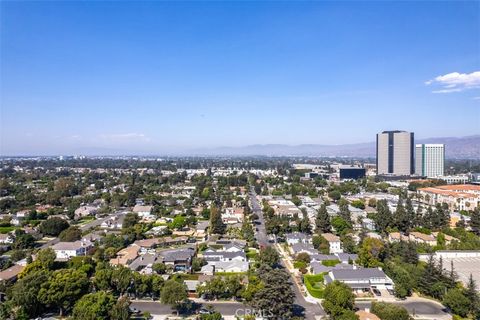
column 23, row 241
column 178, row 222
column 25, row 291
column 94, row 306
column 383, row 217
column 338, row 299
column 198, row 263
column 335, row 195
column 402, row 220
column 371, row 253
column 345, row 213
column 322, row 220
column 276, row 296
column 303, row 256
column 269, row 256
column 46, row 258
column 388, row 311
column 63, row 288
column 159, row 267
column 341, row 225
column 130, row 220
column 173, row 293
column 121, row 309
column 121, row 278
column 72, row 233
column 216, row 223
column 456, row 301
column 53, row 226
column 475, row 221
column 472, row 295
column 321, row 244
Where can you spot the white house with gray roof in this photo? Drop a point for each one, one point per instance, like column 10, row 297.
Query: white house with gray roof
column 298, row 237
column 361, row 279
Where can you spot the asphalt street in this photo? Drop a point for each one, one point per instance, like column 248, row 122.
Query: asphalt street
column 225, row 308
column 309, row 310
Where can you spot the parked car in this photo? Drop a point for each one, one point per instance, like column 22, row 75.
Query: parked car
column 376, row 292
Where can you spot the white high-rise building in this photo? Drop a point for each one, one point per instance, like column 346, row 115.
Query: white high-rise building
column 395, row 153
column 430, row 160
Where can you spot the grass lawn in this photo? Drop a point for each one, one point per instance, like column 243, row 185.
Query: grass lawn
column 7, row 229
column 85, row 220
column 330, row 263
column 187, row 276
column 314, row 284
column 252, row 254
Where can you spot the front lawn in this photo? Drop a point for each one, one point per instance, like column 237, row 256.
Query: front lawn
column 314, row 284
column 7, row 229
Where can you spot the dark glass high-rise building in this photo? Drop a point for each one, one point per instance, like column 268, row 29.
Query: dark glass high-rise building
column 395, row 153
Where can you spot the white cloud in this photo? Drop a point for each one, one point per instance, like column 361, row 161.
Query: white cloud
column 456, row 82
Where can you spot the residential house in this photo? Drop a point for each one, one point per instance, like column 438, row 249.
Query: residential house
column 323, row 257
column 114, row 222
column 316, row 267
column 298, row 237
column 335, row 245
column 179, row 259
column 126, row 255
column 397, row 236
column 419, row 237
column 144, row 212
column 7, row 238
column 85, row 211
column 201, row 230
column 361, row 279
column 231, row 266
column 11, row 274
column 233, row 247
column 226, row 261
column 448, row 238
column 147, row 245
column 66, row 250
column 144, row 263
column 368, row 224
column 19, row 217
column 297, row 248
column 233, row 215
column 346, row 257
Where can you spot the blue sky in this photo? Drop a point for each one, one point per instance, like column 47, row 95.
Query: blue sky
column 160, row 76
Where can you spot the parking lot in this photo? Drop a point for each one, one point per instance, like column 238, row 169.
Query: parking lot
column 464, row 267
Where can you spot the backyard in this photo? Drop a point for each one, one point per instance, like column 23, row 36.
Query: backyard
column 315, row 285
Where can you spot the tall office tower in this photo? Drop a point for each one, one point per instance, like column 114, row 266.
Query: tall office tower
column 429, row 159
column 395, row 153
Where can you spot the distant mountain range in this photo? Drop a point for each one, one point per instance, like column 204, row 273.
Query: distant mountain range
column 455, row 148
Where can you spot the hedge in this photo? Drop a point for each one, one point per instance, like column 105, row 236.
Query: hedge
column 310, row 281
